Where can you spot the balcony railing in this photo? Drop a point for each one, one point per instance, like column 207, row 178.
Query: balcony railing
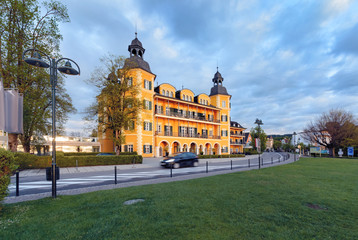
column 186, row 115
column 236, row 143
column 236, row 134
column 185, row 135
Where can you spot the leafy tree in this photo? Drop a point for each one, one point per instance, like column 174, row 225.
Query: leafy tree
column 258, row 133
column 117, row 107
column 332, row 130
column 23, row 26
column 277, row 144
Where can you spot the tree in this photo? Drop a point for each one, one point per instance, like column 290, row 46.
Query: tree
column 258, row 133
column 22, row 26
column 332, row 129
column 117, row 107
column 277, row 144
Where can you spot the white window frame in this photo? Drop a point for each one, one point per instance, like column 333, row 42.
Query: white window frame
column 223, row 104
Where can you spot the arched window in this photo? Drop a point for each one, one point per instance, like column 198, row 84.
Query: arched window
column 171, row 94
column 167, row 93
column 201, row 101
column 163, row 92
column 190, row 98
column 183, row 97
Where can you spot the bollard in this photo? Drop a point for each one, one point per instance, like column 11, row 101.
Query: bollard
column 231, row 164
column 76, row 163
column 171, row 170
column 271, row 160
column 259, row 162
column 207, row 166
column 17, row 184
column 115, row 174
column 248, row 162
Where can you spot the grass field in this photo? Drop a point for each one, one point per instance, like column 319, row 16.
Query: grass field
column 314, row 198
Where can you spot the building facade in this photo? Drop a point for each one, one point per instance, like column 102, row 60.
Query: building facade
column 237, row 135
column 175, row 120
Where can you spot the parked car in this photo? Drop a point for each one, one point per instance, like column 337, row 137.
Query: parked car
column 105, row 154
column 184, row 159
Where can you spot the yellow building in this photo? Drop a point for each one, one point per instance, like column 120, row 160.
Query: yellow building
column 176, row 120
column 237, row 136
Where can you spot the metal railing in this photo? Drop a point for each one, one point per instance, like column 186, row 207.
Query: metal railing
column 186, row 115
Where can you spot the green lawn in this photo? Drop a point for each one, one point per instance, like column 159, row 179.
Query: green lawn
column 270, row 203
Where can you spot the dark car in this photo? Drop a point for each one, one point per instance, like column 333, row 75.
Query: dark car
column 185, row 159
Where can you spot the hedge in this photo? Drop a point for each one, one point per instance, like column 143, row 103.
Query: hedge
column 98, row 160
column 221, row 156
column 7, row 166
column 30, row 161
column 95, row 153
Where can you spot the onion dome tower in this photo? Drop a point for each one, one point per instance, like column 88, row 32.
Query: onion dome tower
column 218, row 85
column 136, row 52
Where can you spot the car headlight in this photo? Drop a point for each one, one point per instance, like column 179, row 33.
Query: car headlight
column 170, row 160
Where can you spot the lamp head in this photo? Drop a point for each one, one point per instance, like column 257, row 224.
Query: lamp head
column 36, row 60
column 68, row 69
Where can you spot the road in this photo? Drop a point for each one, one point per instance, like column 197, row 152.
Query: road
column 35, row 184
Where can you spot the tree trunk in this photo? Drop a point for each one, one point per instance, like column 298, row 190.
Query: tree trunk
column 26, row 143
column 12, row 141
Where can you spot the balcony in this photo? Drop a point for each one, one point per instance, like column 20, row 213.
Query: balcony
column 236, row 134
column 185, row 135
column 236, row 143
column 186, row 116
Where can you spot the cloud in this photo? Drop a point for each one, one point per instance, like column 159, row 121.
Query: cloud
column 283, row 62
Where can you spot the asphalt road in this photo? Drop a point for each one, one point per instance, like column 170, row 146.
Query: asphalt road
column 37, row 184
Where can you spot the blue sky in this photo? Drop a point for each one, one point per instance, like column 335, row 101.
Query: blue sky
column 284, row 62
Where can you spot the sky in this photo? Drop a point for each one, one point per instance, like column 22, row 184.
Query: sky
column 284, row 62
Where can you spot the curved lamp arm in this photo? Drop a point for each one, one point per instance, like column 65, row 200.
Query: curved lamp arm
column 68, row 69
column 36, row 61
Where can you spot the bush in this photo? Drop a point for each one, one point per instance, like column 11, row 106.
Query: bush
column 30, row 161
column 221, row 156
column 250, row 151
column 7, row 166
column 98, row 160
column 67, row 154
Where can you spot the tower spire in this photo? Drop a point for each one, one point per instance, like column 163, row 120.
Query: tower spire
column 135, row 29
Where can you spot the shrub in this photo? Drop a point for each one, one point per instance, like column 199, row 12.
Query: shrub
column 98, row 160
column 30, row 161
column 250, row 151
column 7, row 166
column 221, row 156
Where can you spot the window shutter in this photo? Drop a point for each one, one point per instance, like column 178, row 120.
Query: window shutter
column 150, row 105
column 171, row 130
column 150, row 126
column 144, row 104
column 143, row 125
column 132, row 125
column 150, row 149
column 150, row 85
column 144, row 149
column 126, row 148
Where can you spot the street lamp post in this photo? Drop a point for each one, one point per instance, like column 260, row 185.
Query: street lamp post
column 259, row 122
column 294, row 145
column 52, row 63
